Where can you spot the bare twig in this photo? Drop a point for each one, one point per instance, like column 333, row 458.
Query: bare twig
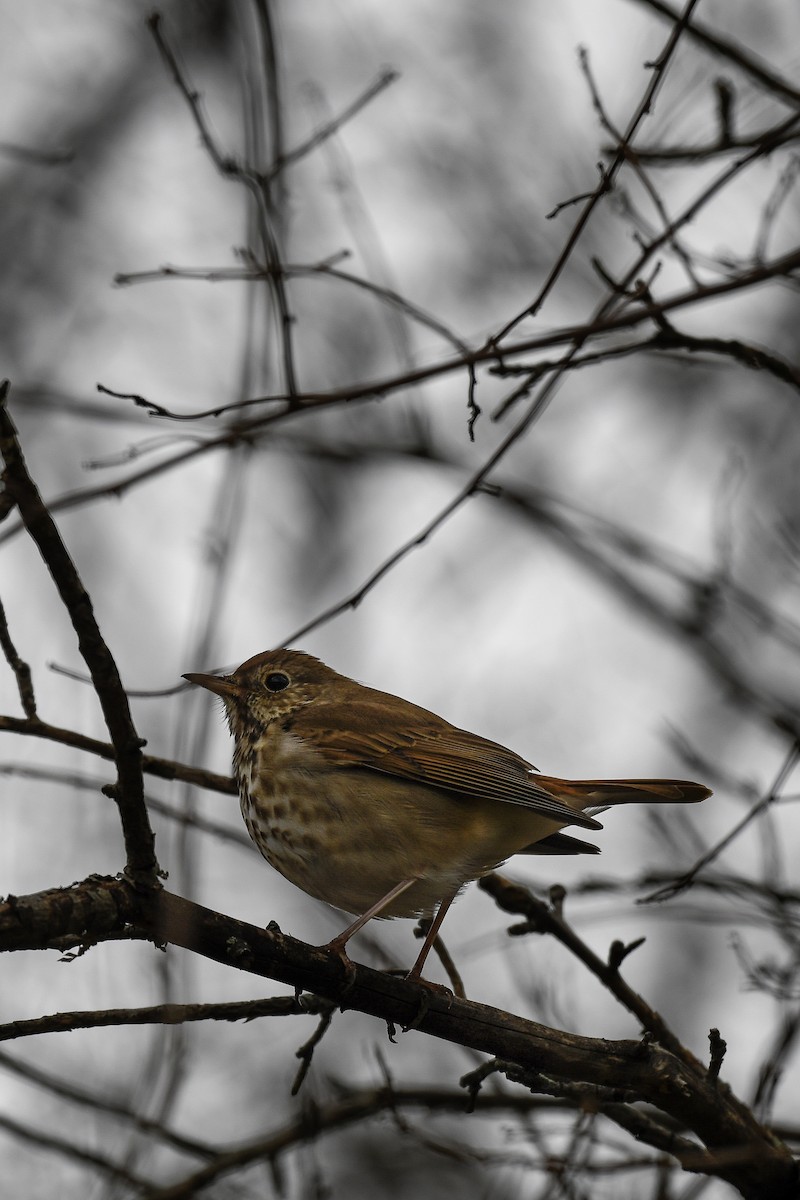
column 74, row 1093
column 770, row 797
column 306, row 1051
column 731, row 51
column 68, row 1149
column 322, row 270
column 229, row 168
column 41, row 158
column 20, row 668
column 772, row 1069
column 326, row 130
column 162, row 1014
column 543, row 918
column 290, row 408
column 608, row 175
column 633, row 159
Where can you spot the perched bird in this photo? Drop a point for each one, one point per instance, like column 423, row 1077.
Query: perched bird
column 383, row 809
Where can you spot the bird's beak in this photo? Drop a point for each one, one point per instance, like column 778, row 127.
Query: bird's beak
column 222, row 685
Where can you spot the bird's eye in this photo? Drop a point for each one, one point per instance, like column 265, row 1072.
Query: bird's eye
column 277, row 681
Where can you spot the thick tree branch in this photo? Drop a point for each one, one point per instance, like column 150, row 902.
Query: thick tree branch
column 745, row 1153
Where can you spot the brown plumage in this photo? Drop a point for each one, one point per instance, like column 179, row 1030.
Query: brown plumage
column 382, row 808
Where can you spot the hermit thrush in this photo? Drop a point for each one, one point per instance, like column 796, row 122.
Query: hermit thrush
column 382, row 808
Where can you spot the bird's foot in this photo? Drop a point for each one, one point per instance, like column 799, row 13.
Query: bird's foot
column 337, row 947
column 430, row 991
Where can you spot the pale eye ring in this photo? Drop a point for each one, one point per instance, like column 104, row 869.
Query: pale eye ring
column 276, row 681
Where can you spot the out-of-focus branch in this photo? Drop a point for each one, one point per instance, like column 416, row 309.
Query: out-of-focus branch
column 128, row 792
column 257, row 185
column 102, row 1103
column 352, row 1106
column 68, row 1149
column 322, row 270
column 327, row 129
column 289, row 408
column 732, row 51
column 772, row 795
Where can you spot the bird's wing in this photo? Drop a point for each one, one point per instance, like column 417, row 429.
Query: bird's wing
column 415, row 744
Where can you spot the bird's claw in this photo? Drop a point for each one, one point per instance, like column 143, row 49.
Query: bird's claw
column 429, row 992
column 337, row 947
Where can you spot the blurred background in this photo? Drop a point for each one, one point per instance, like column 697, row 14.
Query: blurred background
column 621, row 602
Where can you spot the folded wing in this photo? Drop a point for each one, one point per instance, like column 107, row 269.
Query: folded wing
column 420, row 746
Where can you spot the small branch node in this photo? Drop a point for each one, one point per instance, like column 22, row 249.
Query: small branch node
column 618, row 952
column 718, row 1049
column 557, row 896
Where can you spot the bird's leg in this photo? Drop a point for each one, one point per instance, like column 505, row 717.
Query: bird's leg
column 416, row 971
column 340, row 941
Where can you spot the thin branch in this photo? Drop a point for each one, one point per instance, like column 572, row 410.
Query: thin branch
column 666, row 340
column 694, row 154
column 68, row 1149
column 306, row 1051
column 645, row 1127
column 290, row 408
column 636, row 166
column 229, row 168
column 320, row 270
column 163, row 1014
column 22, row 671
column 163, row 768
column 704, row 35
column 608, row 175
column 599, row 326
column 352, row 1108
column 224, row 164
column 771, row 1071
column 777, row 198
column 128, row 792
column 236, row 836
column 544, row 918
column 41, row 158
column 473, row 485
column 74, row 1093
column 328, row 128
column 687, row 879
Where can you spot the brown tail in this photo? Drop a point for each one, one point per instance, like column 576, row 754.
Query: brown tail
column 585, row 793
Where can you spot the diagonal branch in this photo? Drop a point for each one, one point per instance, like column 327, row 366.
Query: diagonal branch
column 128, row 792
column 608, row 174
column 732, row 51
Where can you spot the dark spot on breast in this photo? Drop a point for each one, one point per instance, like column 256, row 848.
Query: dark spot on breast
column 279, row 812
